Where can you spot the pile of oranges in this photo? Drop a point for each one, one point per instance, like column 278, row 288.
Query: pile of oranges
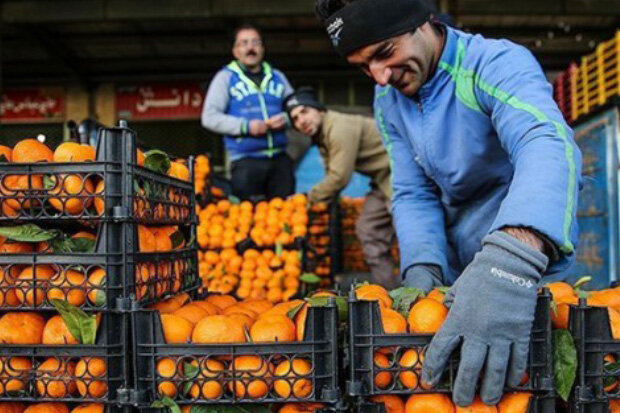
column 50, row 407
column 280, row 221
column 222, row 319
column 319, row 240
column 254, row 274
column 202, row 170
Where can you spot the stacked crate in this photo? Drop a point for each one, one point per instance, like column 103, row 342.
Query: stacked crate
column 564, row 90
column 387, row 367
column 597, row 79
column 93, row 279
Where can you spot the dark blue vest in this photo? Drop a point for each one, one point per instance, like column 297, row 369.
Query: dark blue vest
column 250, row 101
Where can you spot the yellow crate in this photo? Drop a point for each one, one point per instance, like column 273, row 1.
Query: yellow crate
column 598, row 77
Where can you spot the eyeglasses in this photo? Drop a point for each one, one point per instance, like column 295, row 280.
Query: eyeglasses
column 246, row 43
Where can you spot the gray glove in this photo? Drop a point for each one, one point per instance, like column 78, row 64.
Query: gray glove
column 492, row 314
column 424, row 277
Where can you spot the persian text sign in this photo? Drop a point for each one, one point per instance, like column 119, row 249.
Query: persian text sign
column 160, row 101
column 32, row 105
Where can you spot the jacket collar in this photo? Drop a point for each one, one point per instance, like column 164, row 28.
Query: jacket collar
column 236, row 67
column 448, row 56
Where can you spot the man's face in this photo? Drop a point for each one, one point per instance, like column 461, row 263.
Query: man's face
column 306, row 119
column 248, row 48
column 404, row 61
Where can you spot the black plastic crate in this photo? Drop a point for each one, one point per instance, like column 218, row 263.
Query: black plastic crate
column 366, row 337
column 319, row 348
column 100, row 190
column 82, row 373
column 110, row 408
column 595, row 386
column 538, row 404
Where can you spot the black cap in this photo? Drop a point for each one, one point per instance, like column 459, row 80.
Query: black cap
column 304, row 96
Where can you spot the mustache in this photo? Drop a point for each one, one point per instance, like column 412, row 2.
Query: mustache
column 252, row 53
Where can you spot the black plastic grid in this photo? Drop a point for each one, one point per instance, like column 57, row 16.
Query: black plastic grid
column 376, row 369
column 598, row 374
column 221, row 365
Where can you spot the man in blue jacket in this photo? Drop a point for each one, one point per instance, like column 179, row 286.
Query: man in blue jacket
column 485, row 176
column 244, row 103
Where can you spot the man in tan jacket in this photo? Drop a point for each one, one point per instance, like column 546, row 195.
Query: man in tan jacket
column 349, row 143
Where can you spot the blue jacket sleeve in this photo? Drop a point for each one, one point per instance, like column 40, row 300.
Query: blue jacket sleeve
column 543, row 194
column 418, row 215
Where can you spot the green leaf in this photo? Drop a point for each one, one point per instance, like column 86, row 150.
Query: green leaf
column 28, row 233
column 190, row 371
column 310, row 278
column 279, row 249
column 166, row 402
column 157, row 161
column 234, row 200
column 582, row 281
column 61, row 246
column 287, row 228
column 49, row 182
column 84, row 245
column 293, row 311
column 404, row 297
column 564, row 362
column 177, row 239
column 81, row 325
column 203, row 409
column 341, row 303
column 3, row 158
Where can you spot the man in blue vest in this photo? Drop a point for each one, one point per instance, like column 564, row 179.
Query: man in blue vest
column 244, row 103
column 485, row 178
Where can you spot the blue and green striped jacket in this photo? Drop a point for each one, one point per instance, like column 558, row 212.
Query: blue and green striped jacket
column 484, row 147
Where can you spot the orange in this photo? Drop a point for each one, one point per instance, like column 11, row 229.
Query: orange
column 514, row 403
column 55, row 378
column 179, row 171
column 207, row 384
column 218, row 329
column 140, row 158
column 7, row 153
column 56, row 332
column 31, row 284
column 293, row 373
column 250, row 377
column 191, row 312
column 67, row 185
column 300, row 407
column 429, row 403
column 393, row 322
column 476, row 407
column 560, row 315
column 371, row 292
column 259, row 306
column 9, row 247
column 167, row 306
column 426, row 316
column 560, row 290
column 68, row 286
column 393, row 404
column 411, row 364
column 209, row 308
column 47, row 408
column 614, row 406
column 283, row 308
column 606, row 298
column 163, row 243
column 177, row 330
column 99, row 200
column 74, row 152
column 12, row 407
column 300, row 322
column 146, row 239
column 14, row 374
column 383, row 379
column 31, row 150
column 15, row 186
column 87, row 370
column 614, row 322
column 436, row 295
column 276, row 328
column 89, row 408
column 167, row 368
column 97, row 296
column 21, row 328
column 239, row 308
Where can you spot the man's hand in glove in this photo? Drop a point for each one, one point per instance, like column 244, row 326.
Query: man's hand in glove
column 491, row 315
column 423, row 277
